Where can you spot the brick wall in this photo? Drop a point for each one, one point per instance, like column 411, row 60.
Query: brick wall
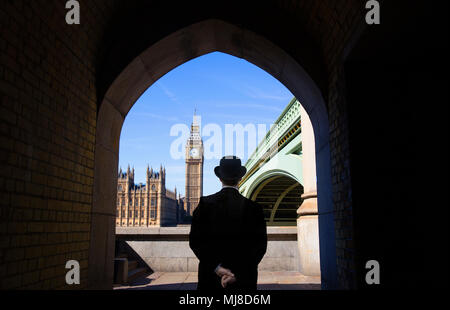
column 345, row 26
column 48, row 117
column 335, row 25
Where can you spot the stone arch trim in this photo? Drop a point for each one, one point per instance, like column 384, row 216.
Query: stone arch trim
column 188, row 43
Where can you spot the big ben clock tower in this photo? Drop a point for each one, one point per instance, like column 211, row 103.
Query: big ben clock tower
column 194, row 167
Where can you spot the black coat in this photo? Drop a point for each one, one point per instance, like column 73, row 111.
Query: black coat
column 230, row 230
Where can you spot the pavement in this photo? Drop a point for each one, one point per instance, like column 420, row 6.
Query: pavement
column 267, row 280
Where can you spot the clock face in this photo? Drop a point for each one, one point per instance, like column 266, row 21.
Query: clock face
column 194, row 152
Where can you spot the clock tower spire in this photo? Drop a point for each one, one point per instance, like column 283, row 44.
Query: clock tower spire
column 194, row 166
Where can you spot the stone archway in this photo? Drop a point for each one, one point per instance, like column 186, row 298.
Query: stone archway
column 188, row 43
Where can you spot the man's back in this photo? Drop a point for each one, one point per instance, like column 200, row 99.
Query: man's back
column 228, row 229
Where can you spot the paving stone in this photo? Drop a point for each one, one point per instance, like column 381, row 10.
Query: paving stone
column 267, row 280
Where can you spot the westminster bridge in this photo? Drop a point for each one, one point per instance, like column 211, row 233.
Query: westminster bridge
column 281, row 178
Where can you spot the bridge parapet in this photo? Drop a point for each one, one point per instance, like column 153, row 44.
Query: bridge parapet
column 166, row 249
column 276, row 137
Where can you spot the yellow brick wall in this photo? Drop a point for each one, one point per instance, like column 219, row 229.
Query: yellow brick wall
column 48, row 115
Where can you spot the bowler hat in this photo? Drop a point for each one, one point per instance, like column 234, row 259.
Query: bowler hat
column 230, row 168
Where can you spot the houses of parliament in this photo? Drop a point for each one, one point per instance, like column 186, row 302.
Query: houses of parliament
column 152, row 204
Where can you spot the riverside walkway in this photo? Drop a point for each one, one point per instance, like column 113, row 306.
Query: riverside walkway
column 267, row 280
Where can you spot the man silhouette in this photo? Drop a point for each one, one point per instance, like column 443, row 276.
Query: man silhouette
column 228, row 233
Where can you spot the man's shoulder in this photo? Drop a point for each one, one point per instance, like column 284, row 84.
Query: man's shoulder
column 247, row 200
column 210, row 198
column 206, row 203
column 214, row 198
column 253, row 204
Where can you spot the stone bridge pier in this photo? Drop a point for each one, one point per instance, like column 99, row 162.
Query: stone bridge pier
column 308, row 220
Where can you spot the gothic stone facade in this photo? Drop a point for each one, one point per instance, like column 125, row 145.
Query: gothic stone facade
column 149, row 204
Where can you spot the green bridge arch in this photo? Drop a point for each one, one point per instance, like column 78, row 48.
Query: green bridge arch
column 275, row 171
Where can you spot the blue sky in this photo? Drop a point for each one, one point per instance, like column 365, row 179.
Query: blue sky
column 224, row 90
